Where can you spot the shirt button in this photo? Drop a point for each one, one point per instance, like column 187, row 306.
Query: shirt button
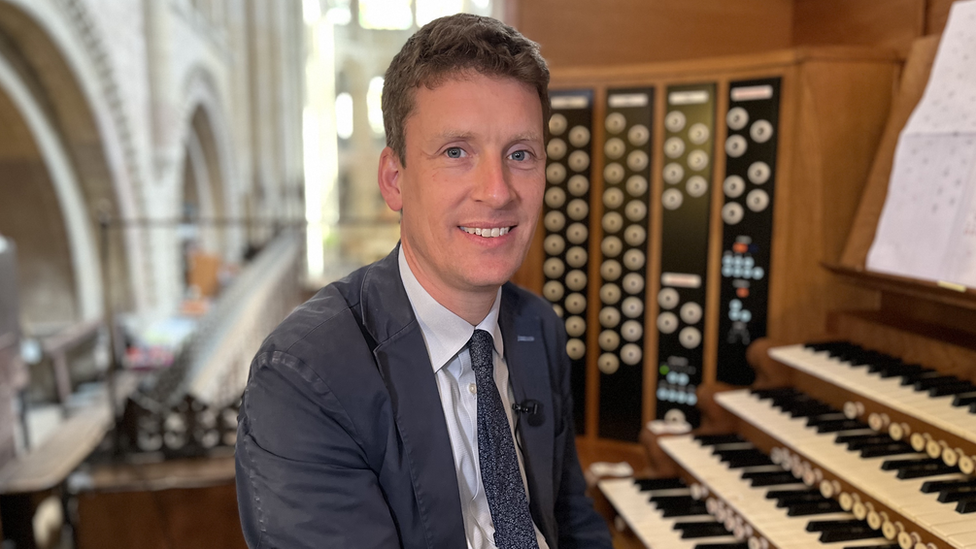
column 472, row 388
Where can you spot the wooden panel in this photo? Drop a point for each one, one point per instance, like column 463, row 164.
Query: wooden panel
column 837, row 115
column 913, row 80
column 184, row 503
column 936, row 15
column 891, row 23
column 189, row 518
column 583, row 32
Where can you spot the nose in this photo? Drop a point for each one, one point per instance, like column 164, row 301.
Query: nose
column 494, row 186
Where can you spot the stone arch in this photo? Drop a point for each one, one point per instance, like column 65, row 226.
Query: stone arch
column 208, row 163
column 42, row 210
column 77, row 158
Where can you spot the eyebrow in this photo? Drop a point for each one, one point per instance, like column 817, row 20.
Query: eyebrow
column 451, row 135
column 531, row 136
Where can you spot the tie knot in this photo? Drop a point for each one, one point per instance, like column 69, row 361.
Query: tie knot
column 481, row 347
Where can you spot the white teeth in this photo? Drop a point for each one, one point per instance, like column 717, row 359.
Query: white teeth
column 486, row 232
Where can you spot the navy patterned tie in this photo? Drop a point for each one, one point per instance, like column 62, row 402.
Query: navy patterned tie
column 496, row 454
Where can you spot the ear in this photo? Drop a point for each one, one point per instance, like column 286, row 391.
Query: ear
column 388, row 175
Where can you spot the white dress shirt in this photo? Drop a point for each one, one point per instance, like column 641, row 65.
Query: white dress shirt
column 446, row 336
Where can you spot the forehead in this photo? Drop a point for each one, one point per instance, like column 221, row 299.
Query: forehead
column 476, row 99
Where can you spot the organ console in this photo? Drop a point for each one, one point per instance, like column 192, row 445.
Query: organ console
column 683, row 204
column 858, row 429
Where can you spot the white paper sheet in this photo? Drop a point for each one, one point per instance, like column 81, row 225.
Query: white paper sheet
column 928, row 225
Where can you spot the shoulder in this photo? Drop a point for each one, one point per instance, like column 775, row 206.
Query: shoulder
column 325, row 336
column 331, row 311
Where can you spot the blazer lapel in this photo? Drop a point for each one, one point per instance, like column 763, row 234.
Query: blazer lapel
column 405, row 366
column 528, row 370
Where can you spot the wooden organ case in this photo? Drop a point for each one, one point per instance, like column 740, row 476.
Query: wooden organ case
column 864, row 438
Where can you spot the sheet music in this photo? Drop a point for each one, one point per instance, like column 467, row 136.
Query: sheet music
column 928, row 224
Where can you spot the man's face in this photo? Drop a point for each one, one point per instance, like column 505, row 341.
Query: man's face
column 471, row 190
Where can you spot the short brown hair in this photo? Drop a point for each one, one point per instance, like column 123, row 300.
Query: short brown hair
column 451, row 45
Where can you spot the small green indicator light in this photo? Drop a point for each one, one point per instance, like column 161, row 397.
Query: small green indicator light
column 664, row 370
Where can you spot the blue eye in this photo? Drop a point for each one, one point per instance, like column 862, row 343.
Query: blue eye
column 519, row 155
column 454, row 152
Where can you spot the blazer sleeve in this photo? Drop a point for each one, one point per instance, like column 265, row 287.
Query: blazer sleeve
column 580, row 526
column 303, row 479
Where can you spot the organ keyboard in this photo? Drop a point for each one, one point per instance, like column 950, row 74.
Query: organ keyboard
column 934, row 411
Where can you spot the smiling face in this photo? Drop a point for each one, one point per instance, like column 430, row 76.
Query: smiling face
column 470, row 190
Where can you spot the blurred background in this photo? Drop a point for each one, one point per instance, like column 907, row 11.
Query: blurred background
column 177, row 175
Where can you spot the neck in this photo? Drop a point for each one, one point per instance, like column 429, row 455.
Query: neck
column 471, row 310
column 472, row 305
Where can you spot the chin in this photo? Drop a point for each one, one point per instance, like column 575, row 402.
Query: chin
column 493, row 278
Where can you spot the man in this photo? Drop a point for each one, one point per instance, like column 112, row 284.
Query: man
column 380, row 413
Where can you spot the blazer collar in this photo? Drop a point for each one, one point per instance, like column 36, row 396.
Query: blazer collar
column 401, row 357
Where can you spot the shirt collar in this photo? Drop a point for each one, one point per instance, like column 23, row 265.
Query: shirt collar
column 445, row 333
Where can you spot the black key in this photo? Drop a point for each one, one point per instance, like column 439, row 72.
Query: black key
column 711, row 440
column 932, row 486
column 878, row 356
column 926, row 470
column 849, row 534
column 966, row 506
column 840, row 425
column 666, row 501
column 972, row 408
column 891, row 449
column 895, row 464
column 961, row 388
column 771, row 393
column 881, row 365
column 693, row 510
column 900, row 370
column 924, row 373
column 810, row 409
column 927, row 383
column 960, row 401
column 772, row 478
column 865, row 441
column 814, row 508
column 743, row 458
column 704, row 529
column 956, row 494
column 818, row 346
column 723, row 546
column 777, row 494
column 847, row 439
column 822, row 525
column 647, row 484
column 813, row 421
column 845, row 354
column 793, row 500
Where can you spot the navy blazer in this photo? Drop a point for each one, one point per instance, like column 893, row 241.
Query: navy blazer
column 342, row 440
